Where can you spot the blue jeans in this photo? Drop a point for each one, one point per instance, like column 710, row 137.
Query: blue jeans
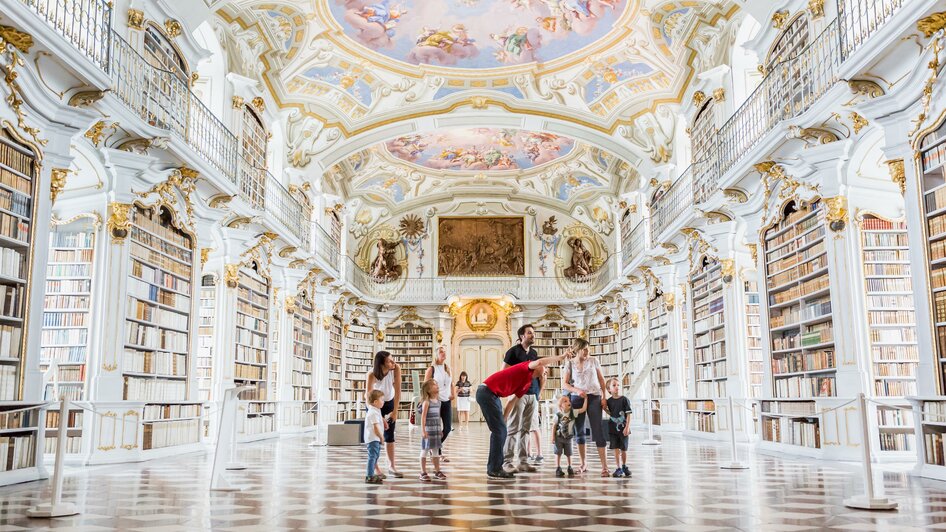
column 374, row 451
column 492, row 409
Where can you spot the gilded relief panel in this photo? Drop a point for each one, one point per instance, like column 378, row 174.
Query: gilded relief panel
column 481, row 246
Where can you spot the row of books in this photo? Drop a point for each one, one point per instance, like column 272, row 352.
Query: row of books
column 61, row 337
column 259, row 424
column 158, row 224
column 153, row 293
column 796, row 362
column 175, row 411
column 71, row 391
column 894, row 352
column 152, row 338
column 886, row 255
column 934, row 447
column 701, row 421
column 157, row 316
column 254, row 324
column 23, row 419
column 11, row 301
column 151, row 389
column 801, row 270
column 897, row 441
column 65, row 319
column 141, row 252
column 247, row 372
column 937, row 224
column 888, row 388
column 51, row 444
column 66, row 302
column 155, row 363
column 889, row 285
column 170, row 434
column 11, row 263
column 72, row 286
column 73, row 241
column 893, row 335
column 895, row 369
column 711, row 388
column 804, row 433
column 155, row 276
column 249, row 338
column 250, row 354
column 17, row 452
column 891, row 317
column 885, row 240
column 894, row 417
column 799, row 291
column 8, row 382
column 804, row 387
column 16, row 182
column 70, row 373
column 74, row 419
column 83, row 256
column 160, row 245
column 16, row 160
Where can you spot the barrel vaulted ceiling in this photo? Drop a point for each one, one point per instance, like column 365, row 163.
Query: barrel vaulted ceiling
column 397, row 102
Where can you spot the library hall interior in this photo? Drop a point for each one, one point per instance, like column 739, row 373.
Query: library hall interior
column 502, row 265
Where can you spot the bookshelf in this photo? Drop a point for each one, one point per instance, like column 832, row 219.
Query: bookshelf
column 551, row 339
column 709, row 331
column 701, row 416
column 335, row 359
column 754, row 353
column 413, row 347
column 303, row 327
column 170, row 425
column 932, row 159
column 659, row 349
column 627, row 348
column 929, row 419
column 799, row 300
column 252, row 363
column 685, row 336
column 158, row 309
column 207, row 319
column 67, row 308
column 791, row 422
column 359, row 357
column 19, row 441
column 18, row 167
column 891, row 320
column 603, row 340
column 75, row 424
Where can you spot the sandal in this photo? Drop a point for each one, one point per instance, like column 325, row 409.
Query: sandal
column 424, row 477
column 444, row 460
column 605, row 473
column 439, row 475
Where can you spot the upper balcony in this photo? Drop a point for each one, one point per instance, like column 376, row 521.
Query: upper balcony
column 161, row 100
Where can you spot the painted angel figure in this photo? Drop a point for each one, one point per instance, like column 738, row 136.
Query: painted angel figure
column 513, row 45
column 549, row 239
column 382, row 13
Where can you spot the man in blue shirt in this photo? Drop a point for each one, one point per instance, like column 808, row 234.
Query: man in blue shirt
column 520, row 417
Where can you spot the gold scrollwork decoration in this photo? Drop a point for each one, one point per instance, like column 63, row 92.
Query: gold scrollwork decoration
column 836, row 213
column 291, row 306
column 727, row 269
column 258, row 103
column 86, row 98
column 719, row 95
column 669, row 300
column 237, row 102
column 204, row 255
column 816, row 8
column 119, row 221
column 57, row 182
column 698, row 98
column 173, row 28
column 94, row 216
column 231, row 275
column 20, row 40
column 865, row 87
column 779, row 18
column 136, row 19
column 96, row 133
column 859, row 122
column 898, row 174
column 932, row 24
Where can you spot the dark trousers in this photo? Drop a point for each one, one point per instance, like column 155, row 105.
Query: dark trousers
column 594, row 419
column 492, row 409
column 446, row 418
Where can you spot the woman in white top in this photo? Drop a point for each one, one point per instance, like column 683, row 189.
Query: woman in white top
column 582, row 375
column 440, row 372
column 386, row 376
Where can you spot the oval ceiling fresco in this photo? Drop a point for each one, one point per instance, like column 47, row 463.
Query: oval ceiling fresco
column 479, row 149
column 476, row 33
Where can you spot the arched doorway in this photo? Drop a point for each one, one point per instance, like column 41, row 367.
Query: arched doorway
column 479, row 357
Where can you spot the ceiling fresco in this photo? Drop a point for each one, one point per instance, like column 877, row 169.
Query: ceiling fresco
column 479, row 149
column 476, row 34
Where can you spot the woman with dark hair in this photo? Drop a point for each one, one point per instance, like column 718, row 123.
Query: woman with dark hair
column 463, row 399
column 386, row 376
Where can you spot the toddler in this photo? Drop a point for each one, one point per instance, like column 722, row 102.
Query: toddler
column 430, row 429
column 564, row 430
column 619, row 426
column 374, row 430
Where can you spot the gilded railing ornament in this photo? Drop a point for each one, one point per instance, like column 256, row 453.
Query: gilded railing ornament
column 898, row 174
column 119, row 221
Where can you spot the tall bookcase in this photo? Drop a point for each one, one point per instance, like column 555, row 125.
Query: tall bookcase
column 710, row 371
column 800, row 325
column 754, row 354
column 207, row 318
column 660, row 350
column 685, row 337
column 359, row 356
column 335, row 358
column 303, row 326
column 891, row 318
column 709, row 331
column 67, row 309
column 413, row 347
column 551, row 339
column 252, row 363
column 933, row 168
column 627, row 349
column 603, row 339
column 18, row 168
column 157, row 321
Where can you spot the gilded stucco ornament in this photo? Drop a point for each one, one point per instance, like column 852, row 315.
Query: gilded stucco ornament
column 173, row 28
column 86, row 98
column 20, row 40
column 231, row 275
column 812, row 135
column 119, row 221
column 219, row 201
column 859, row 122
column 754, row 251
column 698, row 98
column 379, row 335
column 57, row 182
column 932, row 24
column 779, row 18
column 96, row 133
column 136, row 19
column 479, row 102
column 836, row 213
column 669, row 300
column 205, row 255
column 719, row 95
column 816, row 8
column 735, row 195
column 635, row 319
column 898, row 174
column 237, row 102
column 259, row 104
column 177, row 189
column 291, row 305
column 865, row 87
column 727, row 270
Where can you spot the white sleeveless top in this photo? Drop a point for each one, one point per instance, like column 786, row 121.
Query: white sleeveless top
column 386, row 385
column 443, row 381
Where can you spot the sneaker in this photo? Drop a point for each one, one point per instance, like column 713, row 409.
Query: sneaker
column 395, row 474
column 618, row 473
column 499, row 475
column 526, row 468
column 627, row 472
column 373, row 479
column 559, row 472
column 538, row 459
column 424, row 477
column 439, row 475
column 571, row 472
column 509, row 468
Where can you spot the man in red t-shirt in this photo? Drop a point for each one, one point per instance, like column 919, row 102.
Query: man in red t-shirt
column 514, row 380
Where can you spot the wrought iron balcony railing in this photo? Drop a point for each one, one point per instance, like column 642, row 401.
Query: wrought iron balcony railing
column 672, row 204
column 86, row 24
column 327, row 248
column 292, row 214
column 417, row 290
column 633, row 243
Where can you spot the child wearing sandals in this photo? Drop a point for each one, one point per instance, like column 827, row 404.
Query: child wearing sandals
column 564, row 430
column 430, row 429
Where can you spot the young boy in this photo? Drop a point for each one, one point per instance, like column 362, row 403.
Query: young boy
column 619, row 426
column 374, row 431
column 563, row 431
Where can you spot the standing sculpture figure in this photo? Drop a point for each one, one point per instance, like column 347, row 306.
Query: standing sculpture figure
column 385, row 266
column 581, row 260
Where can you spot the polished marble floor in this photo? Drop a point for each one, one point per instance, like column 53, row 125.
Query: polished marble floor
column 292, row 486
